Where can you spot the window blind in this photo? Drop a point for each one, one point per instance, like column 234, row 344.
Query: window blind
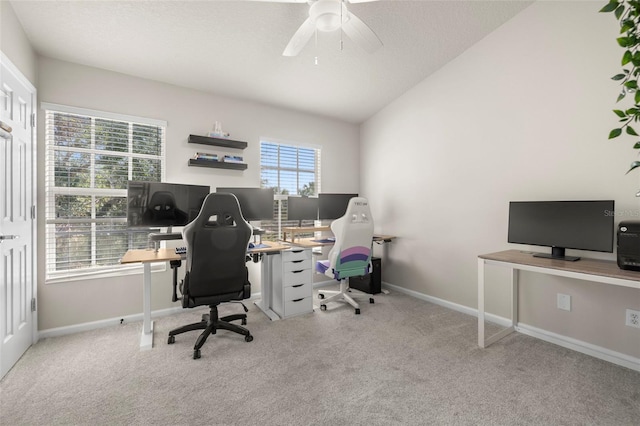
column 289, row 170
column 89, row 159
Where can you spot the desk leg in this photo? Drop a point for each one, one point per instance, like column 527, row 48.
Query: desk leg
column 482, row 342
column 146, row 340
column 481, row 303
column 266, row 276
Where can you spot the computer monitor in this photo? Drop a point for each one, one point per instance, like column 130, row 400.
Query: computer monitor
column 582, row 225
column 302, row 208
column 333, row 206
column 255, row 203
column 162, row 204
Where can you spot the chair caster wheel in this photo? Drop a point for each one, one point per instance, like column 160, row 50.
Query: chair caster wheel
column 323, row 307
column 371, row 300
column 320, row 296
column 244, row 321
column 171, row 340
column 248, row 338
column 357, row 311
column 196, row 354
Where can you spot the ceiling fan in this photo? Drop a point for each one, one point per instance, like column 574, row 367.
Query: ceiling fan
column 332, row 15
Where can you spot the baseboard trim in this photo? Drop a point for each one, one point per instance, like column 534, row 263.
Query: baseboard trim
column 580, row 346
column 87, row 326
column 548, row 336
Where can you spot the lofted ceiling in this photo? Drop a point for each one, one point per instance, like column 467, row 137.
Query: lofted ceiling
column 234, row 48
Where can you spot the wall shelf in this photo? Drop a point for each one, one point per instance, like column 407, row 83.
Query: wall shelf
column 217, row 164
column 226, row 143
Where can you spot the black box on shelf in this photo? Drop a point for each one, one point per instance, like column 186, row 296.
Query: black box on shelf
column 372, row 282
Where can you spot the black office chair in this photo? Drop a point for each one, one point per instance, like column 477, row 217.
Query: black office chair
column 217, row 241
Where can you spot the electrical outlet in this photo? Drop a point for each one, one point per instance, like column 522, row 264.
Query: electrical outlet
column 633, row 318
column 564, row 302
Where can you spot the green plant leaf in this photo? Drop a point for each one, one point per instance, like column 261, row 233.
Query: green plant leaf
column 620, row 113
column 618, row 77
column 633, row 166
column 637, row 97
column 623, row 41
column 626, row 25
column 632, row 111
column 610, row 7
column 627, row 57
column 631, row 131
column 637, row 145
column 615, row 133
column 621, row 96
column 631, row 84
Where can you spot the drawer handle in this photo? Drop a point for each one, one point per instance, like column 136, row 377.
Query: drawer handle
column 297, row 300
column 297, row 251
column 297, row 272
column 297, row 261
column 296, row 286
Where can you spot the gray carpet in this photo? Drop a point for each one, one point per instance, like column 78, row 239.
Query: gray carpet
column 402, row 361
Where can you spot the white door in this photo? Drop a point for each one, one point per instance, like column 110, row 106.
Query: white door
column 17, row 211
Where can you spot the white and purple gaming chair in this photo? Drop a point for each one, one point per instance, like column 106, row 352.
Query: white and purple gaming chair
column 351, row 253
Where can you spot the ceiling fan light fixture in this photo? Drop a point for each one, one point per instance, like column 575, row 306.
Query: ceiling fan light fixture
column 326, row 14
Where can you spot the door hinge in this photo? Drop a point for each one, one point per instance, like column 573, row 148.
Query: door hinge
column 33, row 304
column 33, row 212
column 33, row 119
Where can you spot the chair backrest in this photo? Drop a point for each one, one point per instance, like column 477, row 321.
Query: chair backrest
column 351, row 253
column 217, row 241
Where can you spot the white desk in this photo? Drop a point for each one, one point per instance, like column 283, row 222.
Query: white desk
column 602, row 271
column 146, row 257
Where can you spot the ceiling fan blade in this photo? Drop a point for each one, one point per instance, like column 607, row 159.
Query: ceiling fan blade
column 300, row 38
column 361, row 34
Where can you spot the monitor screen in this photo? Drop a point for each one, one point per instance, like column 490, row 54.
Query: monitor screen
column 333, row 206
column 582, row 225
column 161, row 204
column 255, row 203
column 302, row 208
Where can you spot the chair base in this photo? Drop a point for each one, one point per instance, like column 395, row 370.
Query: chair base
column 210, row 324
column 339, row 295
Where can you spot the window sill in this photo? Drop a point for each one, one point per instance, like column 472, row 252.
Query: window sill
column 111, row 273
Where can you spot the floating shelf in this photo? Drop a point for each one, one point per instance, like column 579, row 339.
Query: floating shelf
column 217, row 164
column 227, row 143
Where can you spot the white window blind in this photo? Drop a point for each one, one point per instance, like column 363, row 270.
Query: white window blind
column 289, row 170
column 90, row 156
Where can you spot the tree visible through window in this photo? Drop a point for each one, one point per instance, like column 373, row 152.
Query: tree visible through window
column 289, row 170
column 89, row 161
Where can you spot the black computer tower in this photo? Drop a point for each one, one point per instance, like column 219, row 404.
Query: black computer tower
column 371, row 283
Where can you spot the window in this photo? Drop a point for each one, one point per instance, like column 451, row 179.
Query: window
column 289, row 170
column 90, row 156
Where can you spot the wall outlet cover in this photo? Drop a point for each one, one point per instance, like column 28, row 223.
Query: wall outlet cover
column 564, row 302
column 632, row 318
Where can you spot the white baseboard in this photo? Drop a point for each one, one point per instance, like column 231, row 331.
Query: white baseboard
column 548, row 336
column 76, row 328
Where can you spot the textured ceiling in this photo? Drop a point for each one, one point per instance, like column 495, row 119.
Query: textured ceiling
column 234, row 48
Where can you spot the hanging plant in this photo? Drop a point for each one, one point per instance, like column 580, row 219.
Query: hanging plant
column 628, row 15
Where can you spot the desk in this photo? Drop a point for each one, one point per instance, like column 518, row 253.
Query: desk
column 146, row 257
column 312, row 242
column 602, row 271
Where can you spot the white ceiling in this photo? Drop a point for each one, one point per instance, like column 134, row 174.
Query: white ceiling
column 234, row 48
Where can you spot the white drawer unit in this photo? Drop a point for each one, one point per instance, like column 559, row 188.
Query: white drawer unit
column 292, row 284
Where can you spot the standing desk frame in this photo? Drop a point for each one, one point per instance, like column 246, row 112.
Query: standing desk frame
column 601, row 271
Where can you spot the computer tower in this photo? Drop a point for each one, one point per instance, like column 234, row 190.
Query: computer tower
column 629, row 245
column 372, row 282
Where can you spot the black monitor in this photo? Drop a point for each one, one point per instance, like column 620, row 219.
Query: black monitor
column 582, row 225
column 302, row 208
column 255, row 203
column 162, row 204
column 333, row 206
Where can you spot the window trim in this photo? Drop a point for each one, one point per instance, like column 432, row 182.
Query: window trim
column 107, row 271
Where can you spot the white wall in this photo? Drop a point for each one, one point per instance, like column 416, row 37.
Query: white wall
column 522, row 115
column 187, row 112
column 14, row 43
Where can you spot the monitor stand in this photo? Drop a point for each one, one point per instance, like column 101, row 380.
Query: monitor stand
column 156, row 237
column 558, row 254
